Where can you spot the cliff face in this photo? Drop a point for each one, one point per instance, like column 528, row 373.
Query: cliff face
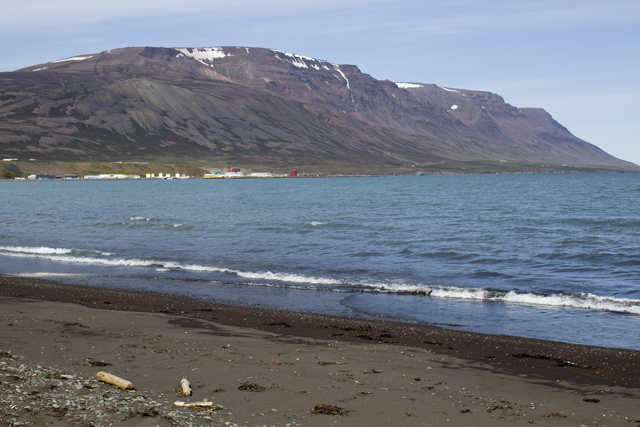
column 263, row 106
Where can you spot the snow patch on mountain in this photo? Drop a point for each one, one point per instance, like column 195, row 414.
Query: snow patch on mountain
column 204, row 55
column 447, row 89
column 342, row 74
column 75, row 58
column 294, row 59
column 301, row 61
column 408, row 85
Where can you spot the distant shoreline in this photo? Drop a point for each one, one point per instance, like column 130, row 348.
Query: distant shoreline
column 437, row 173
column 197, row 168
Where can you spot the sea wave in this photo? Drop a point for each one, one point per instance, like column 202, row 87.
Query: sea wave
column 109, row 259
column 35, row 250
column 575, row 300
column 586, row 301
column 140, row 218
column 288, row 277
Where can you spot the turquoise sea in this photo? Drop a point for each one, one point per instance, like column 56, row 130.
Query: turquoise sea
column 546, row 256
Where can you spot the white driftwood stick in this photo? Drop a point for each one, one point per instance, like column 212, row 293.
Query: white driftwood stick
column 116, row 381
column 186, row 387
column 179, row 403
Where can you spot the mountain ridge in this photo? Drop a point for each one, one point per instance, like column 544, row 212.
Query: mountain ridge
column 265, row 106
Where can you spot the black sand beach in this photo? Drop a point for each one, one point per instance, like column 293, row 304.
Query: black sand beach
column 378, row 372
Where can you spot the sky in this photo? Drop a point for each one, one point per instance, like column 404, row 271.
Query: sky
column 577, row 59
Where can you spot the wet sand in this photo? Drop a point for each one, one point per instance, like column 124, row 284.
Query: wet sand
column 378, row 372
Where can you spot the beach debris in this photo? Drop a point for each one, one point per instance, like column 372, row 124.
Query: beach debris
column 203, row 404
column 281, row 324
column 330, row 363
column 557, row 361
column 336, row 327
column 53, row 375
column 328, row 410
column 92, row 363
column 116, row 381
column 594, row 400
column 6, row 354
column 247, row 386
column 446, row 347
column 185, row 385
column 556, row 414
column 373, row 371
column 506, row 405
column 275, row 360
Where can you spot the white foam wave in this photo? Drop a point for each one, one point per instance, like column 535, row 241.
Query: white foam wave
column 316, row 223
column 583, row 301
column 35, row 250
column 86, row 260
column 64, row 255
column 139, row 218
column 286, row 277
column 49, row 274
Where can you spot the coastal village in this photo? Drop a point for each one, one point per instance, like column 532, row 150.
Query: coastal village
column 230, row 173
column 235, row 173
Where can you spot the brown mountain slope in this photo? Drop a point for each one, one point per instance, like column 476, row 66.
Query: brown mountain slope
column 263, row 106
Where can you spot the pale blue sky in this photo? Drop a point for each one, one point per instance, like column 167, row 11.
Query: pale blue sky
column 579, row 60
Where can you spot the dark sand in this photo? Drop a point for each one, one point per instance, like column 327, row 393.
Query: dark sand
column 381, row 373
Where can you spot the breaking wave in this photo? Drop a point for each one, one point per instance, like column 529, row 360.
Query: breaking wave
column 575, row 300
column 75, row 256
column 586, row 301
column 40, row 250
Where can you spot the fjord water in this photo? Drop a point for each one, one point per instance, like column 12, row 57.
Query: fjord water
column 545, row 256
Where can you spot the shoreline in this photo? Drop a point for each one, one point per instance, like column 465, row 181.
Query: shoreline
column 56, row 337
column 325, row 175
column 543, row 359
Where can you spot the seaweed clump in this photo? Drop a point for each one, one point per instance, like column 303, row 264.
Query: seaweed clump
column 256, row 388
column 328, row 410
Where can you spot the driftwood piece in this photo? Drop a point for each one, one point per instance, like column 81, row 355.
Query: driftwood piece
column 116, row 381
column 188, row 405
column 186, row 387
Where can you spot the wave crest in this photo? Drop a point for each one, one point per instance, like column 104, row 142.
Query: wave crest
column 586, row 301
